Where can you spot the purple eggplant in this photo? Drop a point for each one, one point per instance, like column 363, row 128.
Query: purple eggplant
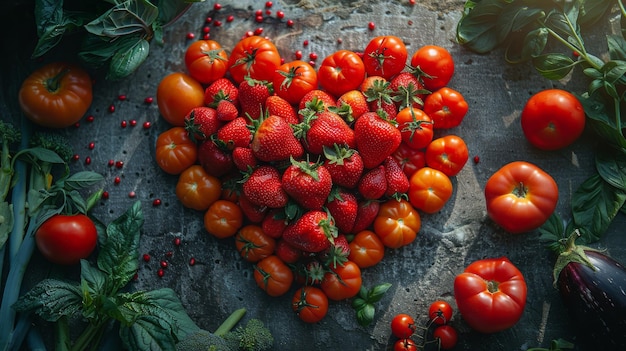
column 593, row 289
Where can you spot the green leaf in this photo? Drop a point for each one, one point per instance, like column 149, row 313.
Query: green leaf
column 83, row 179
column 170, row 10
column 600, row 120
column 147, row 333
column 377, row 292
column 128, row 17
column 594, row 205
column 478, row 27
column 513, row 19
column 592, row 11
column 551, row 233
column 611, row 165
column 96, row 51
column 6, row 221
column 41, row 154
column 365, row 315
column 125, row 62
column 617, row 47
column 51, row 299
column 553, row 66
column 534, row 43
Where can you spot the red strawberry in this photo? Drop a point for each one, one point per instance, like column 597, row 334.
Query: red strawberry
column 342, row 205
column 201, row 122
column 376, row 138
column 344, row 165
column 275, row 222
column 378, row 95
column 366, row 213
column 308, row 183
column 323, row 129
column 244, row 158
column 325, row 98
column 397, row 182
column 252, row 96
column 351, row 105
column 235, row 133
column 254, row 213
column 263, row 187
column 273, row 140
column 226, row 111
column 312, row 232
column 338, row 252
column 221, row 89
column 275, row 105
column 373, row 184
column 214, row 160
column 407, row 90
column 286, row 252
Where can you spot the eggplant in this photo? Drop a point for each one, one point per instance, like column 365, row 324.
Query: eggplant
column 592, row 286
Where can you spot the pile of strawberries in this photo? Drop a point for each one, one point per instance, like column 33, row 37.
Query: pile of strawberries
column 312, row 173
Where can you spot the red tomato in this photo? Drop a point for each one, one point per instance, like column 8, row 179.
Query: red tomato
column 436, row 64
column 65, row 240
column 175, row 151
column 405, row 345
column 341, row 72
column 293, row 80
column 197, row 189
column 385, row 56
column 446, row 107
column 177, row 94
column 429, row 190
column 223, row 219
column 366, row 249
column 520, row 197
column 273, row 276
column 409, row 159
column 440, row 312
column 415, row 126
column 342, row 282
column 447, row 154
column 253, row 244
column 310, row 304
column 253, row 56
column 403, row 326
column 553, row 119
column 397, row 223
column 447, row 336
column 206, row 61
column 490, row 294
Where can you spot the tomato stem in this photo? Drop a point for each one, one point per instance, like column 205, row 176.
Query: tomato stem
column 53, row 83
column 520, row 190
column 492, row 286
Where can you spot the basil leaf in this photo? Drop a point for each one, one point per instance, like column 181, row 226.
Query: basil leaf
column 611, row 166
column 617, row 47
column 169, row 10
column 478, row 27
column 365, row 315
column 553, row 66
column 600, row 122
column 125, row 62
column 551, row 232
column 128, row 17
column 51, row 299
column 377, row 292
column 592, row 10
column 82, row 180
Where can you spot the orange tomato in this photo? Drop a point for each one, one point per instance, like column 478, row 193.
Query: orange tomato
column 253, row 244
column 177, row 94
column 197, row 189
column 206, row 61
column 273, row 276
column 429, row 189
column 223, row 219
column 342, row 282
column 366, row 249
column 175, row 151
column 397, row 223
column 310, row 304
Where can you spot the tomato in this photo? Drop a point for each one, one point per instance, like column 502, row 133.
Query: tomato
column 429, row 190
column 223, row 219
column 436, row 65
column 273, row 276
column 310, row 304
column 440, row 312
column 253, row 244
column 385, row 56
column 397, row 223
column 66, row 239
column 366, row 249
column 293, row 80
column 56, row 95
column 253, row 56
column 447, row 336
column 552, row 119
column 447, row 154
column 405, row 345
column 490, row 294
column 206, row 61
column 197, row 189
column 342, row 282
column 415, row 127
column 341, row 72
column 175, row 151
column 520, row 197
column 177, row 94
column 409, row 159
column 446, row 107
column 403, row 326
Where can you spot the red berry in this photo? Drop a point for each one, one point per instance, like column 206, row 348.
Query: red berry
column 177, row 241
column 190, row 35
column 313, row 56
column 146, row 257
column 230, row 18
column 76, row 157
column 133, row 122
column 217, row 23
column 305, row 42
column 89, row 118
column 259, row 19
column 156, row 202
column 298, row 54
column 147, row 125
column 92, row 145
column 268, row 4
column 209, row 19
column 123, row 124
column 289, row 23
column 119, row 164
column 206, row 29
column 476, row 159
column 117, row 180
column 163, row 264
column 217, row 6
column 148, row 100
column 258, row 13
column 192, row 261
column 111, row 108
column 168, row 254
column 411, row 2
column 111, row 163
column 258, row 31
column 105, row 195
column 88, row 160
column 132, row 194
column 280, row 14
column 160, row 273
column 121, row 97
column 371, row 26
column 206, row 36
column 77, row 124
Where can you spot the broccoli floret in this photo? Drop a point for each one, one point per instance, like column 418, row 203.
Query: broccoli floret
column 54, row 142
column 203, row 340
column 255, row 336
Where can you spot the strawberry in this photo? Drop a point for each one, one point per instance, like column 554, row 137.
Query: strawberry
column 286, row 252
column 263, row 187
column 376, row 138
column 397, row 182
column 226, row 111
column 323, row 129
column 214, row 160
column 273, row 140
column 338, row 252
column 378, row 95
column 252, row 96
column 342, row 205
column 407, row 90
column 325, row 98
column 244, row 158
column 235, row 134
column 201, row 122
column 308, row 183
column 312, row 232
column 253, row 213
column 344, row 165
column 275, row 222
column 373, row 184
column 351, row 105
column 275, row 105
column 221, row 89
column 365, row 215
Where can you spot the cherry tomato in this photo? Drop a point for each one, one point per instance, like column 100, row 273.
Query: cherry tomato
column 341, row 72
column 403, row 326
column 436, row 64
column 405, row 345
column 520, row 197
column 409, row 159
column 293, row 80
column 273, row 276
column 415, row 126
column 397, row 223
column 446, row 107
column 385, row 56
column 223, row 219
column 253, row 56
column 447, row 336
column 175, row 151
column 310, row 304
column 206, row 61
column 177, row 94
column 447, row 154
column 429, row 190
column 342, row 282
column 56, row 95
column 440, row 312
column 366, row 249
column 196, row 189
column 490, row 294
column 253, row 244
column 553, row 119
column 66, row 239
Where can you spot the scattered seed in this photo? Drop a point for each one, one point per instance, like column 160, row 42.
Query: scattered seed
column 90, row 118
column 168, row 254
column 206, row 29
column 156, row 202
column 259, row 19
column 298, row 54
column 147, row 125
column 117, row 180
column 268, row 4
column 132, row 194
column 206, row 36
column 192, row 261
column 111, row 108
column 105, row 195
column 209, row 19
column 146, row 257
column 123, row 124
column 217, row 23
column 280, row 14
column 217, row 6
column 133, row 122
column 92, row 145
column 305, row 42
column 371, row 26
column 160, row 273
column 190, row 35
column 76, row 157
column 289, row 23
column 230, row 18
column 148, row 100
column 87, row 160
column 111, row 163
column 77, row 125
column 177, row 241
column 313, row 56
column 119, row 164
column 121, row 97
column 163, row 264
column 258, row 31
column 476, row 159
